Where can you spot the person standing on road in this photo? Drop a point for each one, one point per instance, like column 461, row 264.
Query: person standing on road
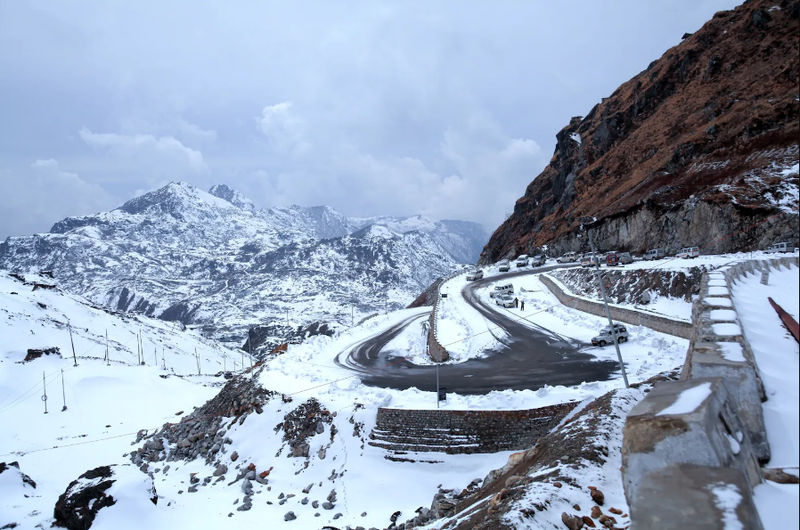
column 516, row 302
column 522, row 305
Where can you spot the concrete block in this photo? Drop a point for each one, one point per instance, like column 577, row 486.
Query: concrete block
column 685, row 422
column 731, row 362
column 689, row 496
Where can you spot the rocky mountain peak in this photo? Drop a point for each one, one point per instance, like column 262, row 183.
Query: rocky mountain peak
column 225, row 192
column 173, row 199
column 691, row 151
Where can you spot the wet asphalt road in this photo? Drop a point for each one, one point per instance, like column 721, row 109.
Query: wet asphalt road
column 528, row 358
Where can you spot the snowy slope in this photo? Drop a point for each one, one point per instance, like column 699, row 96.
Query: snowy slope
column 106, row 402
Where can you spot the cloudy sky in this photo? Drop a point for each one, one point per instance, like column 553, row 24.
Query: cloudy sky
column 445, row 108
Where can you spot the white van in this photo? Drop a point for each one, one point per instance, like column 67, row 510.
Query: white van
column 502, row 289
column 689, row 252
column 655, row 253
column 778, row 247
column 522, row 261
column 503, row 265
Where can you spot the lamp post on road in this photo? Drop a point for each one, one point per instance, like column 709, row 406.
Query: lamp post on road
column 605, row 303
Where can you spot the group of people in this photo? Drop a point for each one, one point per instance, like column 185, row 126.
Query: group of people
column 519, row 303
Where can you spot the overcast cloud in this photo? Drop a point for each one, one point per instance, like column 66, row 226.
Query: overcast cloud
column 448, row 109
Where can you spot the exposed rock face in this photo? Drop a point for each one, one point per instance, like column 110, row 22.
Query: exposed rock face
column 78, row 506
column 698, row 149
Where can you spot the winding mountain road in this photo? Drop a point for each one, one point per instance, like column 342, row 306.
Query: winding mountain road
column 530, row 356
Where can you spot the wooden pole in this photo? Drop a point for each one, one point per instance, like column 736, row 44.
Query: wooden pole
column 63, row 392
column 108, row 357
column 44, row 392
column 72, row 342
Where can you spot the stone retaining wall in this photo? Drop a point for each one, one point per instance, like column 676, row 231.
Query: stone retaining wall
column 464, row 431
column 670, row 326
column 674, row 461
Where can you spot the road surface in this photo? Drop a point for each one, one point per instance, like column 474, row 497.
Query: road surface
column 529, row 358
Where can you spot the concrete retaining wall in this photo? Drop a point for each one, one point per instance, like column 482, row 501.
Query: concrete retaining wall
column 670, row 326
column 718, row 441
column 464, row 431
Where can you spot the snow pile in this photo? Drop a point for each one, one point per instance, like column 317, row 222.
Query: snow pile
column 776, row 354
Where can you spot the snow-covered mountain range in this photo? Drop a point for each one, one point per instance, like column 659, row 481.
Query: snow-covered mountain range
column 215, row 261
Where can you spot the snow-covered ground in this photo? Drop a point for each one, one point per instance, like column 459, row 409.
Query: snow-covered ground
column 107, row 403
column 776, row 353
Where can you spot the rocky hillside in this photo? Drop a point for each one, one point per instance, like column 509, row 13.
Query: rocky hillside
column 214, row 261
column 701, row 148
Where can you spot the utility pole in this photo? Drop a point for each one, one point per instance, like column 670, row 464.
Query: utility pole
column 352, row 315
column 163, row 359
column 250, row 347
column 608, row 310
column 437, row 385
column 44, row 392
column 155, row 356
column 72, row 342
column 197, row 358
column 108, row 358
column 63, row 392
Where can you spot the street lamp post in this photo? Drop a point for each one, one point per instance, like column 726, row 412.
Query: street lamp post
column 608, row 310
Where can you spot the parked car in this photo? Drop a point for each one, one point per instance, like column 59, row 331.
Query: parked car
column 503, row 265
column 625, row 258
column 688, row 252
column 655, row 253
column 589, row 260
column 477, row 274
column 538, row 260
column 500, row 290
column 607, row 336
column 505, row 300
column 778, row 247
column 522, row 261
column 568, row 257
column 612, row 259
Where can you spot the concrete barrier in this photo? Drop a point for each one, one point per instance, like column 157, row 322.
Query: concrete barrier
column 685, row 422
column 684, row 496
column 670, row 326
column 672, row 463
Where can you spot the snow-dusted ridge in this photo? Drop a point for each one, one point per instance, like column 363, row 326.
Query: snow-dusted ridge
column 215, row 261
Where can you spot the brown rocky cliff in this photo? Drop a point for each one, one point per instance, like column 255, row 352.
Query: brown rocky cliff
column 691, row 151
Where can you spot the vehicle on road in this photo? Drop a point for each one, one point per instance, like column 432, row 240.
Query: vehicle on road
column 505, row 300
column 568, row 257
column 590, row 259
column 607, row 336
column 689, row 252
column 655, row 253
column 778, row 247
column 477, row 274
column 522, row 261
column 625, row 258
column 612, row 259
column 538, row 260
column 503, row 265
column 500, row 290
